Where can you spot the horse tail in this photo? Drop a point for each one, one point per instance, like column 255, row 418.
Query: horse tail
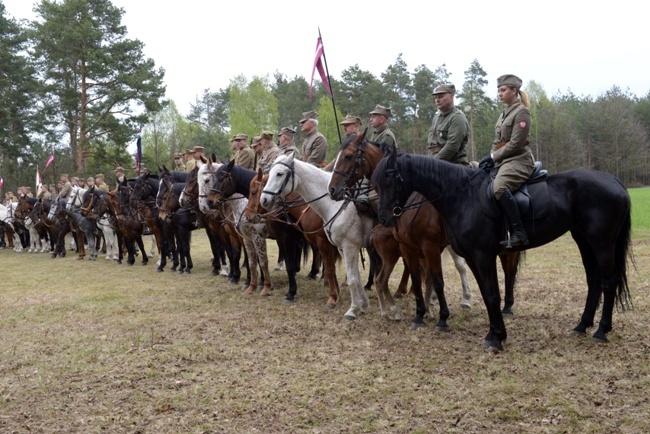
column 305, row 248
column 621, row 252
column 375, row 259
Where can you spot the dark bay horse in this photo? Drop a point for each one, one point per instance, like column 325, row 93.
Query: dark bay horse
column 182, row 221
column 594, row 206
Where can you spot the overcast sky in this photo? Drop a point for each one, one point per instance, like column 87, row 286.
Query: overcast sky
column 562, row 45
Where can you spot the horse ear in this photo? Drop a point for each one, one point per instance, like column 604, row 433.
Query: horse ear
column 164, row 168
column 231, row 164
column 260, row 173
column 360, row 137
column 203, row 159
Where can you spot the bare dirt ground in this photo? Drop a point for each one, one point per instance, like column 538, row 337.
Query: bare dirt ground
column 89, row 347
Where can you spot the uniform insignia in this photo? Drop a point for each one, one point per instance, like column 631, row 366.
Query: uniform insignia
column 522, row 124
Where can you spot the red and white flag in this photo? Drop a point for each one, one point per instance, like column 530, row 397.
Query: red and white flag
column 49, row 161
column 2, row 182
column 38, row 182
column 318, row 65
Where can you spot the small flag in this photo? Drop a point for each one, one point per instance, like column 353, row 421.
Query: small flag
column 138, row 153
column 49, row 161
column 318, row 64
column 38, row 181
column 2, row 182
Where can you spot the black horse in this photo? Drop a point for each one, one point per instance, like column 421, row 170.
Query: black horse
column 594, row 206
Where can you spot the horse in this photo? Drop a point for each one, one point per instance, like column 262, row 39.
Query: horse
column 38, row 234
column 126, row 220
column 593, row 206
column 182, row 220
column 231, row 179
column 223, row 188
column 6, row 220
column 61, row 225
column 224, row 239
column 419, row 228
column 311, row 227
column 143, row 199
column 344, row 227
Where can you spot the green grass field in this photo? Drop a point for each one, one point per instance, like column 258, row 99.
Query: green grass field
column 640, row 212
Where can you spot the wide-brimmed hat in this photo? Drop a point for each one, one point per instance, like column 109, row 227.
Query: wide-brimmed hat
column 198, row 149
column 444, row 88
column 509, row 80
column 351, row 120
column 311, row 114
column 381, row 110
column 288, row 131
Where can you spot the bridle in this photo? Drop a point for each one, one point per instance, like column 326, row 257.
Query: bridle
column 359, row 163
column 285, row 181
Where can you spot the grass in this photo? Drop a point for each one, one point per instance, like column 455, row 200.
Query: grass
column 89, row 347
column 640, row 211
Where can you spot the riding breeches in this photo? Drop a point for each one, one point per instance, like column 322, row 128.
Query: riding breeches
column 511, row 175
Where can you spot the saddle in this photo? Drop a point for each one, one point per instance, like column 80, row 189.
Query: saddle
column 532, row 197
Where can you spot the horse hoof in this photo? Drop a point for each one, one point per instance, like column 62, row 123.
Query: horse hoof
column 417, row 325
column 330, row 306
column 466, row 305
column 600, row 338
column 442, row 328
column 578, row 333
column 492, row 346
column 288, row 300
column 349, row 317
column 181, row 272
column 188, row 272
column 160, row 270
column 507, row 311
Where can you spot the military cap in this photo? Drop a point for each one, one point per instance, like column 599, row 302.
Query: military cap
column 178, row 155
column 256, row 141
column 351, row 119
column 381, row 110
column 64, row 174
column 444, row 88
column 143, row 169
column 89, row 179
column 74, row 178
column 119, row 169
column 99, row 175
column 311, row 114
column 189, row 152
column 288, row 131
column 234, row 137
column 266, row 135
column 198, row 149
column 243, row 137
column 509, row 80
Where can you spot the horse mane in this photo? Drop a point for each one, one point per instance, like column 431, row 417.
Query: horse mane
column 242, row 176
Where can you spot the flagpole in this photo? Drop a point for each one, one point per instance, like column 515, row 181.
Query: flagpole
column 327, row 72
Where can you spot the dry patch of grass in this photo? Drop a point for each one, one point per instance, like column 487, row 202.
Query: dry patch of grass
column 100, row 347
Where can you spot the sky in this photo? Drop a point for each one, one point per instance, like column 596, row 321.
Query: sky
column 575, row 46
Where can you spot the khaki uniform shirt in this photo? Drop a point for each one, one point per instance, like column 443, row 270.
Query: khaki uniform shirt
column 180, row 167
column 290, row 149
column 448, row 136
column 65, row 190
column 103, row 187
column 190, row 165
column 383, row 135
column 245, row 157
column 268, row 157
column 314, row 149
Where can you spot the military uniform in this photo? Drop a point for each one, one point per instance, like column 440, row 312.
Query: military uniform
column 512, row 157
column 178, row 162
column 268, row 154
column 65, row 190
column 289, row 147
column 314, row 148
column 191, row 164
column 383, row 135
column 245, row 157
column 448, row 137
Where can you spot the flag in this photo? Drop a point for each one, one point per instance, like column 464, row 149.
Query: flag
column 38, row 181
column 2, row 182
column 318, row 65
column 49, row 161
column 138, row 152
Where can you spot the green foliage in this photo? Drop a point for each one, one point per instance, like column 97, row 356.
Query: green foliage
column 253, row 107
column 329, row 127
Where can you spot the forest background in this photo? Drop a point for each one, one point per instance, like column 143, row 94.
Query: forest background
column 74, row 86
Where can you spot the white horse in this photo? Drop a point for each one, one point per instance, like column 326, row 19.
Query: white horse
column 7, row 218
column 344, row 227
column 253, row 235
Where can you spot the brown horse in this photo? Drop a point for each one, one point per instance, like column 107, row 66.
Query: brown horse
column 216, row 227
column 420, row 227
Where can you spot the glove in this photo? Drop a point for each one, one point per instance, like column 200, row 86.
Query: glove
column 486, row 163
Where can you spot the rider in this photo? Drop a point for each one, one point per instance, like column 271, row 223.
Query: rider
column 510, row 154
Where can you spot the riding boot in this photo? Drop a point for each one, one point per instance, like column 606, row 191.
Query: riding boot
column 518, row 236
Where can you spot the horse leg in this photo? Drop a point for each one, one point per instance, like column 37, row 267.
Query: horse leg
column 145, row 258
column 510, row 265
column 594, row 285
column 463, row 272
column 435, row 279
column 411, row 258
column 358, row 305
column 485, row 272
column 402, row 288
column 281, row 257
column 264, row 264
column 315, row 262
column 249, row 245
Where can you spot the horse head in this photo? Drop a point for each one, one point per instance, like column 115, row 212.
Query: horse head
column 168, row 202
column 281, row 182
column 191, row 190
column 389, row 184
column 253, row 207
column 223, row 184
column 349, row 167
column 205, row 177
